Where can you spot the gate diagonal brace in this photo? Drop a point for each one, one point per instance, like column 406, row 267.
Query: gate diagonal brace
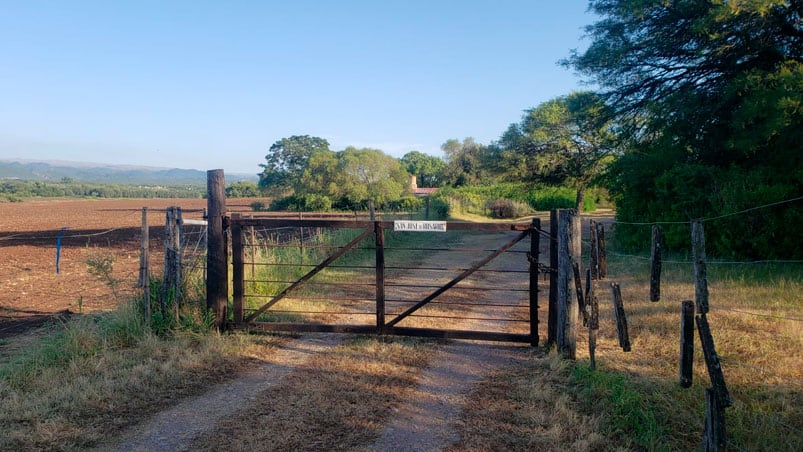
column 310, row 274
column 459, row 278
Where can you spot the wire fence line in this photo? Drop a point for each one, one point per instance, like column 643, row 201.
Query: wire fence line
column 718, row 217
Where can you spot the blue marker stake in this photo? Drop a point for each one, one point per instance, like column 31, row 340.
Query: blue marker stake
column 58, row 248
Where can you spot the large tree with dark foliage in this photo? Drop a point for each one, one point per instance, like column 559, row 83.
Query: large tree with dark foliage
column 712, row 92
column 286, row 161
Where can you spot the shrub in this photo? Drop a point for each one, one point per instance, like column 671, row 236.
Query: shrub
column 506, row 208
column 258, row 206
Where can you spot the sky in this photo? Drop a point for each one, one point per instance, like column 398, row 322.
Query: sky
column 212, row 84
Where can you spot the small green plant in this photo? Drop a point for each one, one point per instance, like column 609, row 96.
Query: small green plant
column 101, row 266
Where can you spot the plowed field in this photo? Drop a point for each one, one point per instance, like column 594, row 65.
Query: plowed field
column 31, row 290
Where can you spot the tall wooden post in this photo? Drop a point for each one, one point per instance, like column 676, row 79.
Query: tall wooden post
column 686, row 343
column 535, row 250
column 171, row 287
column 217, row 281
column 602, row 254
column 567, row 302
column 237, row 269
column 700, row 276
column 552, row 315
column 655, row 263
column 594, row 254
column 380, row 276
column 144, row 266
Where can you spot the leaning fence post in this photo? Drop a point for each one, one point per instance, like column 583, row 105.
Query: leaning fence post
column 552, row 315
column 217, row 285
column 698, row 255
column 655, row 263
column 144, row 266
column 567, row 303
column 602, row 254
column 621, row 319
column 712, row 362
column 686, row 343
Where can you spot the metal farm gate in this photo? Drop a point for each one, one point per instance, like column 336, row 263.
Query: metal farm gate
column 412, row 278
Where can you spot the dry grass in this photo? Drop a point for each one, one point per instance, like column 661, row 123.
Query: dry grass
column 341, row 401
column 78, row 383
column 527, row 407
column 638, row 392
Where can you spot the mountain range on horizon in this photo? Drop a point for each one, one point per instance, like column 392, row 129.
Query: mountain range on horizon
column 55, row 170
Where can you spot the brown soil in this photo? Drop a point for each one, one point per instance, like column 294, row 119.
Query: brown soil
column 30, row 290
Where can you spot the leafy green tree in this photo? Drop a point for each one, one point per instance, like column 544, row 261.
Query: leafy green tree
column 286, row 161
column 466, row 161
column 242, row 189
column 567, row 140
column 355, row 176
column 711, row 94
column 428, row 170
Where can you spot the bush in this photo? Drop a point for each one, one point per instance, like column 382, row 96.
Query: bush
column 505, row 208
column 258, row 206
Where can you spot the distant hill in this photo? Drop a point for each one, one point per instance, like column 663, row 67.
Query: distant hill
column 110, row 174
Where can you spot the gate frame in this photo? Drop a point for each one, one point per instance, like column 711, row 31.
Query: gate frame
column 377, row 228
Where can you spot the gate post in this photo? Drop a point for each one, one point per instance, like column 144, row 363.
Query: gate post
column 552, row 315
column 535, row 248
column 237, row 268
column 380, row 276
column 567, row 301
column 217, row 281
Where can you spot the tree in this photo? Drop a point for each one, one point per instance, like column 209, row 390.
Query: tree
column 242, row 189
column 568, row 139
column 711, row 94
column 464, row 161
column 428, row 170
column 355, row 176
column 286, row 161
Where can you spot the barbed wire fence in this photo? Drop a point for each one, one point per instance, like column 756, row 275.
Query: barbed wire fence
column 718, row 396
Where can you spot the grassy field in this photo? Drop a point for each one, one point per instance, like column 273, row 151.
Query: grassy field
column 83, row 381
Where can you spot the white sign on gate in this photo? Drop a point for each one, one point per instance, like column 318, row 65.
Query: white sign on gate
column 419, row 226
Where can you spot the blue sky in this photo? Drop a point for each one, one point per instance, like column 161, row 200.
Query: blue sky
column 212, row 84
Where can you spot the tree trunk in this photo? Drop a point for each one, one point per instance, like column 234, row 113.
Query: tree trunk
column 581, row 196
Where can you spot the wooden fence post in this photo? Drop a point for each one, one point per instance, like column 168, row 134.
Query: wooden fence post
column 552, row 315
column 593, row 321
column 655, row 263
column 380, row 276
column 712, row 362
column 535, row 250
column 601, row 251
column 237, row 269
column 700, row 277
column 578, row 290
column 686, row 343
column 171, row 287
column 594, row 253
column 621, row 319
column 145, row 267
column 567, row 302
column 217, row 281
column 714, row 433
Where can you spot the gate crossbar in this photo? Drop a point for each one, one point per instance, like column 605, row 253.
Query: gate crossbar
column 459, row 278
column 310, row 274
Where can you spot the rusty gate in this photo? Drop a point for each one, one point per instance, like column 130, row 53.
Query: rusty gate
column 374, row 277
